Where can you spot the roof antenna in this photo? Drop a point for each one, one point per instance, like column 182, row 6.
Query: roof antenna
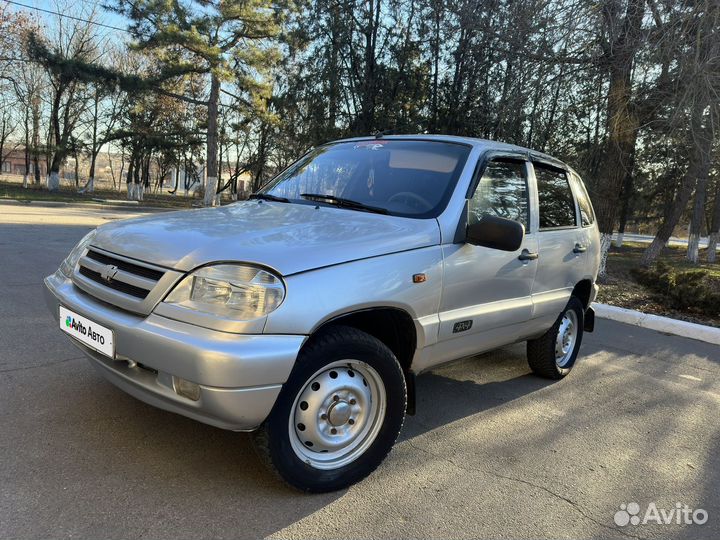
column 379, row 134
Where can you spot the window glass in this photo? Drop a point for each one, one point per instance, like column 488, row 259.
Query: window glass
column 502, row 191
column 557, row 206
column 587, row 216
column 407, row 178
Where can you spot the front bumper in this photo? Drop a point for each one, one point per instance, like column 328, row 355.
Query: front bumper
column 240, row 376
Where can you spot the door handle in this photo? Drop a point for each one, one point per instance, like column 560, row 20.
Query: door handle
column 579, row 248
column 526, row 255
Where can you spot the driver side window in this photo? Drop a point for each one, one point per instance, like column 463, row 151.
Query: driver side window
column 502, row 191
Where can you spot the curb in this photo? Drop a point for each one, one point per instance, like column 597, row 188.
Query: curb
column 117, row 201
column 708, row 334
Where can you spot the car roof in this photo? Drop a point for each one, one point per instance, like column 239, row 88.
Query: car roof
column 485, row 144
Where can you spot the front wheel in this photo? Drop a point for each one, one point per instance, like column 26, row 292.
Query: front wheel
column 339, row 413
column 553, row 354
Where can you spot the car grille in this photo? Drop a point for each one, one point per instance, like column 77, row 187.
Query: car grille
column 129, row 284
column 115, row 284
column 125, row 265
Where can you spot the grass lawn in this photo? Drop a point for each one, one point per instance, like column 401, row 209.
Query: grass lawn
column 620, row 288
column 13, row 190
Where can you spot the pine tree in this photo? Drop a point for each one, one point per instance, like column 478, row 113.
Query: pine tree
column 226, row 40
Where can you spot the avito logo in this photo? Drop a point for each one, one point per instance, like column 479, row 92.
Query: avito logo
column 681, row 514
column 81, row 329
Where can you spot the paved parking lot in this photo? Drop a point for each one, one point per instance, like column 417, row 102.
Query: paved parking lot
column 493, row 451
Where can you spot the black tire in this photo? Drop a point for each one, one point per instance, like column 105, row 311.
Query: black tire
column 272, row 440
column 541, row 351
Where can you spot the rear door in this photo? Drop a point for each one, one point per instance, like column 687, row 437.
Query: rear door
column 486, row 288
column 561, row 244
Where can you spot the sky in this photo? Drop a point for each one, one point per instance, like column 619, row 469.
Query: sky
column 68, row 8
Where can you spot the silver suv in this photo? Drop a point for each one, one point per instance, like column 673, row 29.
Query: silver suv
column 305, row 313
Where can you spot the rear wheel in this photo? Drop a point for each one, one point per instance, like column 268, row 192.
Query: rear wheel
column 339, row 413
column 553, row 354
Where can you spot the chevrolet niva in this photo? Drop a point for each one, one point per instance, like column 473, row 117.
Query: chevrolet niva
column 304, row 313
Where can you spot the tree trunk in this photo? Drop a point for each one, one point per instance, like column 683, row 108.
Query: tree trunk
column 54, row 181
column 36, row 168
column 712, row 246
column 261, row 157
column 368, row 82
column 77, row 168
column 625, row 203
column 129, row 177
column 212, row 142
column 185, row 175
column 26, row 174
column 3, row 136
column 36, row 138
column 714, row 236
column 622, row 136
column 698, row 218
column 622, row 123
column 55, row 138
column 95, row 149
column 54, row 178
column 436, row 66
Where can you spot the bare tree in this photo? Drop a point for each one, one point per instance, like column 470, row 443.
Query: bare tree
column 71, row 42
column 695, row 110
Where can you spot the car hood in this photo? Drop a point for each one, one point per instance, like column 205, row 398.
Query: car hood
column 290, row 238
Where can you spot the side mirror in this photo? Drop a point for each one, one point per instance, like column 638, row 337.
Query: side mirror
column 496, row 233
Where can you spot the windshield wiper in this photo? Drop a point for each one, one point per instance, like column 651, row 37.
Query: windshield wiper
column 268, row 197
column 343, row 203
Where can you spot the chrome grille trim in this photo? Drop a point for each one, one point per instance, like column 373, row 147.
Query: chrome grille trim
column 151, row 273
column 129, row 284
column 115, row 284
column 121, row 275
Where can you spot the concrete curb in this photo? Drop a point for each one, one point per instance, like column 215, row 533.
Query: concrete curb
column 708, row 334
column 117, row 201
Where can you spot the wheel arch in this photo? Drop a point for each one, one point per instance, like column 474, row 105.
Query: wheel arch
column 394, row 327
column 583, row 290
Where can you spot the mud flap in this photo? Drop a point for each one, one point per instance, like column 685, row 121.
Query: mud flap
column 589, row 325
column 410, row 385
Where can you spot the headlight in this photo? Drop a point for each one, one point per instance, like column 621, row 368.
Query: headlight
column 68, row 265
column 231, row 291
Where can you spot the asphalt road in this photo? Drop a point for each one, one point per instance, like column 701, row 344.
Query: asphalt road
column 493, row 451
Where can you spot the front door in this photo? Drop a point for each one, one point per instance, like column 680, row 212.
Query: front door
column 484, row 288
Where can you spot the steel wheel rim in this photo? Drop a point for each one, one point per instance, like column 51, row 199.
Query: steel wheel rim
column 337, row 414
column 566, row 338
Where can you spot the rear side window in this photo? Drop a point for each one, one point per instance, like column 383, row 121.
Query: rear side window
column 502, row 191
column 587, row 217
column 557, row 206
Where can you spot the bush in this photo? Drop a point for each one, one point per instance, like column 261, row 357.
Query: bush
column 691, row 290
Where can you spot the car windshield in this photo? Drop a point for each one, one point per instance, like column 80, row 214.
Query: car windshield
column 398, row 177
